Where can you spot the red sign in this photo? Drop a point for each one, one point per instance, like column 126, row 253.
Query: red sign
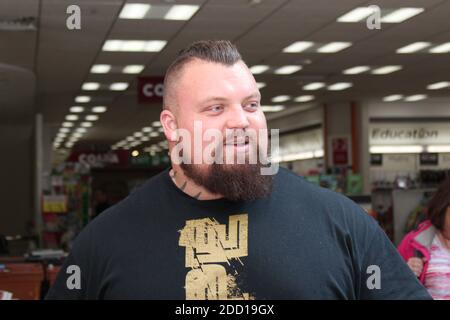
column 340, row 151
column 150, row 89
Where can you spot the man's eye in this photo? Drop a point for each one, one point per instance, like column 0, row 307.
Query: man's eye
column 253, row 105
column 216, row 108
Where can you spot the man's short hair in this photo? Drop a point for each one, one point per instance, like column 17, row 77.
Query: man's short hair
column 218, row 51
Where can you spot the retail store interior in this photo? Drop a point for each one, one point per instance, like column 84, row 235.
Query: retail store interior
column 362, row 107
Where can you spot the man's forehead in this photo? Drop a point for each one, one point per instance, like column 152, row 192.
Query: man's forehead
column 199, row 74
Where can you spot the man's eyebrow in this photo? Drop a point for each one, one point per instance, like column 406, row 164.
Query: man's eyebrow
column 256, row 95
column 213, row 99
column 252, row 96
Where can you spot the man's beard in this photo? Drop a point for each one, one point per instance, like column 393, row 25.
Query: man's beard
column 236, row 182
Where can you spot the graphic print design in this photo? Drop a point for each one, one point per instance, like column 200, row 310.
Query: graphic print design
column 207, row 245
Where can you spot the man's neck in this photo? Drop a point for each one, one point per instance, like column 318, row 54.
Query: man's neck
column 188, row 186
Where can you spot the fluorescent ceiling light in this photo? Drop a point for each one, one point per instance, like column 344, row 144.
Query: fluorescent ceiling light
column 99, row 109
column 438, row 85
column 82, row 99
column 77, row 135
column 64, row 130
column 397, row 149
column 386, row 69
column 304, row 98
column 289, row 69
column 118, row 86
column 67, row 124
column 76, row 109
column 314, row 86
column 416, row 97
column 401, row 15
column 272, row 108
column 155, row 45
column 147, row 129
column 259, row 69
column 135, row 143
column 133, row 69
column 181, row 12
column 86, row 124
column 443, row 48
column 138, row 134
column 439, row 149
column 101, row 68
column 134, row 45
column 356, row 15
column 318, row 153
column 81, row 130
column 298, row 46
column 413, row 47
column 61, row 135
column 393, row 97
column 260, row 85
column 134, row 11
column 145, row 139
column 90, row 86
column 156, row 124
column 161, row 129
column 72, row 117
column 339, row 86
column 130, row 139
column 356, row 70
column 333, row 47
column 154, row 134
column 281, row 98
column 92, row 117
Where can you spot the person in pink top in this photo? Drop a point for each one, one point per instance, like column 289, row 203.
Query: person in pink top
column 427, row 249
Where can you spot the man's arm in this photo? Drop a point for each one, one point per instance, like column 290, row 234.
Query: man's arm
column 384, row 273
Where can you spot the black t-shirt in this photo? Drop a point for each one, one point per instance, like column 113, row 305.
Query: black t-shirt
column 301, row 242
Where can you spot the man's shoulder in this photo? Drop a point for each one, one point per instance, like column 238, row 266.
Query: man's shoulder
column 294, row 189
column 293, row 184
column 127, row 213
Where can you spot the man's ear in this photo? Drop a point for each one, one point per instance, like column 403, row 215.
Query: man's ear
column 169, row 123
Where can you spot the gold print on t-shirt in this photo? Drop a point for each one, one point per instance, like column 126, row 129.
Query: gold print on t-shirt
column 208, row 243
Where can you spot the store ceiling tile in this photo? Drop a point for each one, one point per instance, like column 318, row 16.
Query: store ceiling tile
column 65, row 56
column 261, row 31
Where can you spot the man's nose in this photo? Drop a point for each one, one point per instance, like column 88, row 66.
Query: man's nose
column 237, row 118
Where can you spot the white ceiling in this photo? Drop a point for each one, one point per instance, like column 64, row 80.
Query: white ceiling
column 61, row 58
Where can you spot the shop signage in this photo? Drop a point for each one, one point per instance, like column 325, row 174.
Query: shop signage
column 409, row 133
column 150, row 89
column 429, row 159
column 376, row 159
column 54, row 204
column 340, row 151
column 101, row 159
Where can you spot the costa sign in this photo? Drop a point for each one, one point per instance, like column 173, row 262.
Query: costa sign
column 101, row 159
column 150, row 89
